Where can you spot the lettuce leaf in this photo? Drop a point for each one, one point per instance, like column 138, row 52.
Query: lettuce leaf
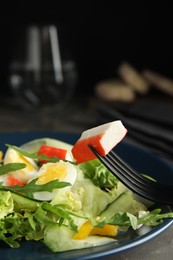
column 31, row 224
column 6, row 203
column 98, row 174
column 93, row 199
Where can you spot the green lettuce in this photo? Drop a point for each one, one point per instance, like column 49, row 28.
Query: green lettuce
column 152, row 218
column 93, row 199
column 6, row 203
column 98, row 174
column 31, row 224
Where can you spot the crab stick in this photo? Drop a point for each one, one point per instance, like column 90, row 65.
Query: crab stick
column 103, row 138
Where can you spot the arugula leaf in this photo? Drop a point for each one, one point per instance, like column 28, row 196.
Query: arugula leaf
column 10, row 167
column 34, row 156
column 43, row 217
column 28, row 189
column 154, row 217
column 63, row 214
column 120, row 219
column 61, row 210
column 53, row 159
column 124, row 219
column 23, row 152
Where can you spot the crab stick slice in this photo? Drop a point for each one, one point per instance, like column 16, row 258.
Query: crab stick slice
column 103, row 138
column 50, row 152
column 11, row 181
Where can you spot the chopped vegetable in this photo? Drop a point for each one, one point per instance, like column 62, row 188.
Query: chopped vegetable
column 103, row 138
column 50, row 152
column 6, row 168
column 107, row 230
column 11, row 181
column 88, row 229
column 84, row 230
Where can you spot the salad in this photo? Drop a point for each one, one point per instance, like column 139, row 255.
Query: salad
column 46, row 196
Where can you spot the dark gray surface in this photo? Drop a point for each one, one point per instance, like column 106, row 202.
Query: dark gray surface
column 158, row 248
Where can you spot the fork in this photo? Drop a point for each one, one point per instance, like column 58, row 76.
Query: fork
column 138, row 183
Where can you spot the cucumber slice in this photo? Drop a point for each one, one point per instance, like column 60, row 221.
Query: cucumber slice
column 23, row 203
column 124, row 203
column 60, row 238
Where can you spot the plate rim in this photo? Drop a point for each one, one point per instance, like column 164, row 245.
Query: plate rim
column 127, row 245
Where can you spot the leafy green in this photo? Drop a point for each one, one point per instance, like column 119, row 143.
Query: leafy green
column 10, row 167
column 6, row 203
column 120, row 219
column 33, row 156
column 154, row 217
column 56, row 221
column 23, row 152
column 32, row 224
column 63, row 213
column 93, row 199
column 53, row 159
column 31, row 187
column 67, row 198
column 11, row 229
column 98, row 174
column 29, row 225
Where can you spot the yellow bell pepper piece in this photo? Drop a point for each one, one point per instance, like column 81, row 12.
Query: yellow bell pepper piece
column 107, row 230
column 87, row 229
column 84, row 230
column 1, row 156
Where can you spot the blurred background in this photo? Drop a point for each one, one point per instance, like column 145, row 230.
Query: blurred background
column 108, row 59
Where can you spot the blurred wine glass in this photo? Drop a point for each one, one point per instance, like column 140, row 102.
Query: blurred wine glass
column 38, row 74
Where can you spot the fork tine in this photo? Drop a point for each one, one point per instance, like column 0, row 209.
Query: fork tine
column 128, row 168
column 146, row 188
column 117, row 170
column 136, row 176
column 124, row 172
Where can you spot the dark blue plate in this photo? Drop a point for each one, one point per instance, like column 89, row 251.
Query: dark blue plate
column 138, row 158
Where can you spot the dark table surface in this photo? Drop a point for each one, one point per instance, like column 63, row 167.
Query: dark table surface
column 75, row 117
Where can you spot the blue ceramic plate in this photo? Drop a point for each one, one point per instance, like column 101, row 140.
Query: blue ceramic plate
column 140, row 159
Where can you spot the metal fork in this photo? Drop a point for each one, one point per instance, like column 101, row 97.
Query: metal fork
column 136, row 182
